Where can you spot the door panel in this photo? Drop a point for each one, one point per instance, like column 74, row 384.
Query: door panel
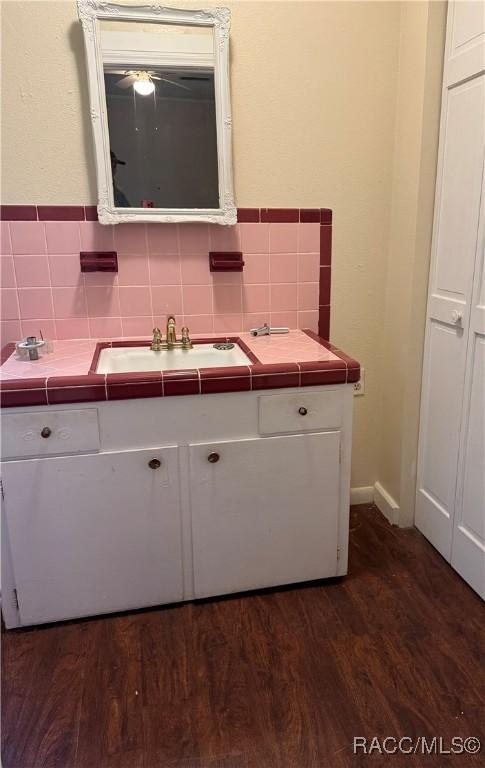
column 95, row 533
column 466, row 33
column 266, row 513
column 456, row 242
column 440, row 429
column 468, row 551
column 459, row 198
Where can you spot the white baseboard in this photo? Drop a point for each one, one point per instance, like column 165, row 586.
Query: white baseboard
column 386, row 504
column 362, row 495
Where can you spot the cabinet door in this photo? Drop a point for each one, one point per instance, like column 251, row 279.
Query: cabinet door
column 93, row 534
column 265, row 513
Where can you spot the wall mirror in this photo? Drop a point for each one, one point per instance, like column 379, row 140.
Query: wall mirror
column 160, row 110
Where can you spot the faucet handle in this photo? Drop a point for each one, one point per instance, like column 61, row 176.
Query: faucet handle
column 186, row 342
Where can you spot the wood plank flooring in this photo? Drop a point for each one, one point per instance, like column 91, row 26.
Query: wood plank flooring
column 279, row 679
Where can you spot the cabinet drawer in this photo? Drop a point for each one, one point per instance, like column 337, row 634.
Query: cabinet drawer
column 300, row 412
column 43, row 433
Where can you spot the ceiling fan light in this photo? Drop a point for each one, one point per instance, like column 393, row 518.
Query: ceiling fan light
column 144, row 87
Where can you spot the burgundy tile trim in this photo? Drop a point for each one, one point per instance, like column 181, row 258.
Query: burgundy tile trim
column 326, row 216
column 248, row 215
column 280, row 215
column 97, row 351
column 37, row 383
column 7, row 350
column 123, row 386
column 352, row 365
column 18, row 392
column 324, row 322
column 325, row 283
column 325, row 245
column 275, row 375
column 308, row 215
column 186, row 382
column 234, row 379
column 60, row 212
column 353, row 374
column 330, row 376
column 76, row 389
column 16, row 398
column 90, row 213
column 18, row 213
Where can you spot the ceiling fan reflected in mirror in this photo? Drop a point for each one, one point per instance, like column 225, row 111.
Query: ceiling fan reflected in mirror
column 143, row 81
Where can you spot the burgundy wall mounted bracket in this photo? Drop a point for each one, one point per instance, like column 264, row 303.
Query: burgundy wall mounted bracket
column 99, row 261
column 226, row 261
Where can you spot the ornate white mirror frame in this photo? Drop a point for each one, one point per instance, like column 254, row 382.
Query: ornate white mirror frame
column 90, row 13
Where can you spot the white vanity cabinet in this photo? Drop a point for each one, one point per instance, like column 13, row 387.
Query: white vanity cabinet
column 251, row 491
column 95, row 533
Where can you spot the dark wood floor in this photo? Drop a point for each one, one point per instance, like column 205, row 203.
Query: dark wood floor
column 280, row 679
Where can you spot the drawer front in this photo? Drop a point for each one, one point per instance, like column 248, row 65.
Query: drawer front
column 45, row 433
column 300, row 412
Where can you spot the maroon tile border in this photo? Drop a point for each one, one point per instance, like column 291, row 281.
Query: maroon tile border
column 325, row 245
column 75, row 389
column 275, row 375
column 60, row 212
column 123, row 386
column 185, row 382
column 285, row 215
column 18, row 392
column 310, row 215
column 280, row 215
column 323, row 372
column 248, row 215
column 18, row 213
column 91, row 212
column 48, row 213
column 234, row 379
column 324, row 321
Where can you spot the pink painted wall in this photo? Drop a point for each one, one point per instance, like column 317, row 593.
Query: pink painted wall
column 162, row 268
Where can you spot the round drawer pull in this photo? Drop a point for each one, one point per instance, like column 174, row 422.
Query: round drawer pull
column 154, row 463
column 213, row 458
column 302, row 411
column 46, row 432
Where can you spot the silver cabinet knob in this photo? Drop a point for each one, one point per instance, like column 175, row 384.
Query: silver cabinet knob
column 213, row 458
column 46, row 432
column 302, row 411
column 154, row 463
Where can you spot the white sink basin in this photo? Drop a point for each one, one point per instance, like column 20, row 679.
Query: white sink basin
column 134, row 359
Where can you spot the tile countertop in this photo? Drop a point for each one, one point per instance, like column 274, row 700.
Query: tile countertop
column 299, row 358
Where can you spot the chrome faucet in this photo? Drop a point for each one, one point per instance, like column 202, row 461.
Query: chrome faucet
column 171, row 342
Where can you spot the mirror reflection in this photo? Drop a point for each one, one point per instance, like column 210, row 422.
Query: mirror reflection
column 161, row 111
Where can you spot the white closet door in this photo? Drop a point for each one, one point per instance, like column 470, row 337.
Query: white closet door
column 455, row 241
column 468, row 548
